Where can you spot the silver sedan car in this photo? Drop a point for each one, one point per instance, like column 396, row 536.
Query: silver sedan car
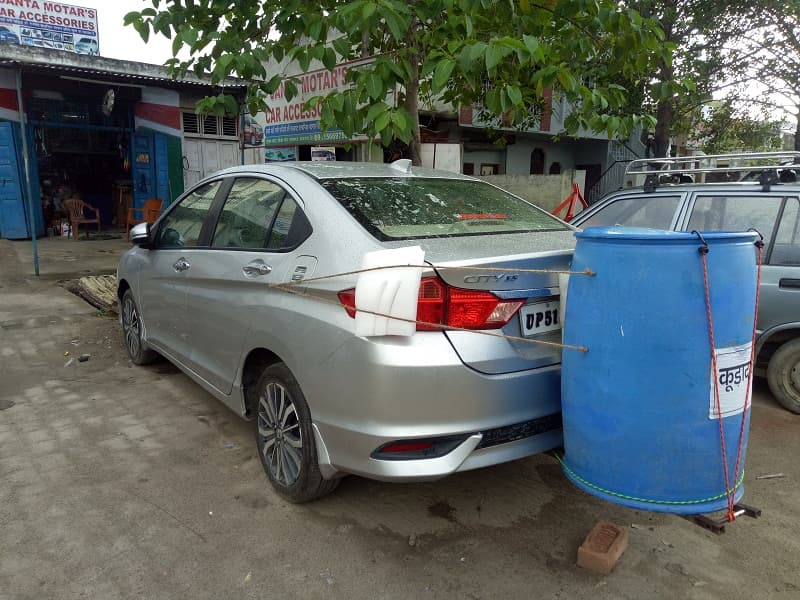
column 198, row 288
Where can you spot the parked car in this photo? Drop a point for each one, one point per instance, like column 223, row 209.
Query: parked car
column 87, row 45
column 195, row 289
column 774, row 210
column 253, row 131
column 6, row 35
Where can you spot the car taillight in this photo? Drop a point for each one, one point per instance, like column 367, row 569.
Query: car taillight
column 441, row 304
column 348, row 300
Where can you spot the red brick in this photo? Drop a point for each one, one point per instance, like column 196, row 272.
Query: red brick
column 603, row 547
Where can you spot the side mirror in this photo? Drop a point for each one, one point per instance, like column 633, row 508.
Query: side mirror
column 140, row 235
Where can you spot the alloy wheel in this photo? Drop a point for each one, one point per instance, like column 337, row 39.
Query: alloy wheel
column 281, row 437
column 131, row 327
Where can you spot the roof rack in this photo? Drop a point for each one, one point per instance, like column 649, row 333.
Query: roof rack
column 764, row 161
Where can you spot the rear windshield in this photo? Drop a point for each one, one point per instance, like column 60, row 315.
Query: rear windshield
column 411, row 208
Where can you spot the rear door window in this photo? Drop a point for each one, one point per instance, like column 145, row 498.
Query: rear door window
column 259, row 214
column 655, row 212
column 786, row 250
column 735, row 213
column 415, row 207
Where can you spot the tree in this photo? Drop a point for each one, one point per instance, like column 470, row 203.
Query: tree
column 501, row 55
column 723, row 127
column 773, row 45
column 706, row 60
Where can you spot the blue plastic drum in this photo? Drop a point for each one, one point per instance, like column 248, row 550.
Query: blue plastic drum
column 641, row 426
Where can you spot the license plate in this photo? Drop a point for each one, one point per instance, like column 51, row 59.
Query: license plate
column 539, row 318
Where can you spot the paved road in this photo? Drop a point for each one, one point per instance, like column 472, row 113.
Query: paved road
column 126, row 482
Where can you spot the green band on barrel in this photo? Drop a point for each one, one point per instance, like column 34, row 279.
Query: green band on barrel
column 626, row 497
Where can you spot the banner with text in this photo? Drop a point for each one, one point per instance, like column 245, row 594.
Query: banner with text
column 288, row 123
column 49, row 25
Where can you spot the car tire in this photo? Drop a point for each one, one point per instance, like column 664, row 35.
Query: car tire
column 137, row 349
column 285, row 437
column 783, row 375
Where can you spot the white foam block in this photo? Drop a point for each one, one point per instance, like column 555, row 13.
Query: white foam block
column 391, row 292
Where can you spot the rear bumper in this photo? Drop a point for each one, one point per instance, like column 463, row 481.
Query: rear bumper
column 381, row 391
column 465, row 457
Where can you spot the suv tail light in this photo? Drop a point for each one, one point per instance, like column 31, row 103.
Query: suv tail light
column 441, row 304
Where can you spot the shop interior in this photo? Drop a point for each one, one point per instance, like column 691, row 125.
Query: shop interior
column 81, row 134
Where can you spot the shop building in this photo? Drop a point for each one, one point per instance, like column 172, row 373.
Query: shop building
column 112, row 133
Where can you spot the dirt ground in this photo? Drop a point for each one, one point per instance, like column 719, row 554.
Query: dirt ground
column 125, row 482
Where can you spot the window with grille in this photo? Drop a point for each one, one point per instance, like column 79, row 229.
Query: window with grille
column 229, row 126
column 210, row 125
column 190, row 123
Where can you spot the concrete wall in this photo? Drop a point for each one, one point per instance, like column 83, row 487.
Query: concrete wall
column 519, row 155
column 8, row 95
column 486, row 157
column 545, row 191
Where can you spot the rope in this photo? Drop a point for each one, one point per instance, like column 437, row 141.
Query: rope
column 730, row 492
column 760, row 246
column 593, row 486
column 282, row 287
column 588, row 272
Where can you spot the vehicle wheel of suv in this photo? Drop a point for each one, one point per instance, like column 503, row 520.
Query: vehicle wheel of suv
column 783, row 375
column 132, row 330
column 285, row 438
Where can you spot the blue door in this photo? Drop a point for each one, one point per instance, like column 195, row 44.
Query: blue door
column 143, row 172
column 162, row 169
column 13, row 224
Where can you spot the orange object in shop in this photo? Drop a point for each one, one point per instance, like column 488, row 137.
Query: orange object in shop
column 149, row 213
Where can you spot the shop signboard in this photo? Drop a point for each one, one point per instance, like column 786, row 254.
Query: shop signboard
column 287, row 122
column 279, row 154
column 49, row 25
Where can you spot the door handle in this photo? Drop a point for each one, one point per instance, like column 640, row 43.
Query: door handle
column 257, row 269
column 789, row 283
column 181, row 265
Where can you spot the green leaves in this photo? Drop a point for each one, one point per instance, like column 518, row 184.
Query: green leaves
column 494, row 54
column 374, row 86
column 514, row 94
column 502, row 56
column 441, row 74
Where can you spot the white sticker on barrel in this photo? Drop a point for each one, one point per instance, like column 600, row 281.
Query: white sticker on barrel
column 733, row 370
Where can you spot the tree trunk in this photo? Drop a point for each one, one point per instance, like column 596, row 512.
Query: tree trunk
column 412, row 106
column 411, row 103
column 797, row 132
column 663, row 125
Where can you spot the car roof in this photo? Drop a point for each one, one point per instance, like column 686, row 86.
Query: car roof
column 322, row 170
